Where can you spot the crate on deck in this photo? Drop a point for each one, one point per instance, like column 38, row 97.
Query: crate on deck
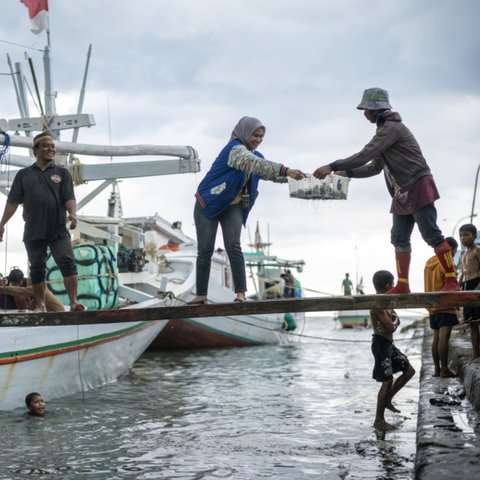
column 332, row 187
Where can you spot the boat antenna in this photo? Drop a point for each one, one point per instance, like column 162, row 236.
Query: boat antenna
column 82, row 93
column 35, row 83
column 268, row 239
column 50, row 109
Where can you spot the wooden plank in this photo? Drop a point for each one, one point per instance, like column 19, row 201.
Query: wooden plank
column 314, row 304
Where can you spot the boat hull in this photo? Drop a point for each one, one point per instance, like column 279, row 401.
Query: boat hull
column 62, row 360
column 353, row 318
column 221, row 332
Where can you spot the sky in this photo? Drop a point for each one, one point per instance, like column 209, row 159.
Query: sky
column 184, row 72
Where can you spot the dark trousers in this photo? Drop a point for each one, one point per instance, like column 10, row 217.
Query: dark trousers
column 231, row 221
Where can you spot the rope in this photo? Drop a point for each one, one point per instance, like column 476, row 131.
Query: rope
column 4, row 168
column 4, row 150
column 76, row 172
column 21, row 46
column 343, row 340
column 46, row 127
column 80, row 366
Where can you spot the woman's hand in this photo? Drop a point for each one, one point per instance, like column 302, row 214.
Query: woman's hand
column 295, row 174
column 322, row 172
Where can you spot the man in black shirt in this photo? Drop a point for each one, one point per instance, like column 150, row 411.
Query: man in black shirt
column 46, row 192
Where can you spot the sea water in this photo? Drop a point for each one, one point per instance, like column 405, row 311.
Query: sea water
column 303, row 411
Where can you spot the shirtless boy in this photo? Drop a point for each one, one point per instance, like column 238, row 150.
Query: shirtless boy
column 470, row 280
column 388, row 358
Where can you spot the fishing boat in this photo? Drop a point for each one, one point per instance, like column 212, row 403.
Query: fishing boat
column 65, row 359
column 353, row 318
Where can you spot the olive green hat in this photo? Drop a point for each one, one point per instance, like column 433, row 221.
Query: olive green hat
column 375, row 99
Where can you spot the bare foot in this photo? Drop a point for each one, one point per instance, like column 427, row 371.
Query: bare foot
column 383, row 425
column 476, row 359
column 392, row 408
column 77, row 307
column 42, row 309
column 447, row 374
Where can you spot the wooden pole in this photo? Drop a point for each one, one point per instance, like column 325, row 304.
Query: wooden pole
column 315, row 304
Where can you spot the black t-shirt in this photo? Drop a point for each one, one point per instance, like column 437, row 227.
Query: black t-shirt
column 43, row 195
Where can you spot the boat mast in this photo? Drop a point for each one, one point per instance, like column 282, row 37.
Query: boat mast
column 82, row 94
column 50, row 107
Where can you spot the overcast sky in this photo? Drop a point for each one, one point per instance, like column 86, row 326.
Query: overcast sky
column 184, row 72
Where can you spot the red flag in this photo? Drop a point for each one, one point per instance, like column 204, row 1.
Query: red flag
column 38, row 13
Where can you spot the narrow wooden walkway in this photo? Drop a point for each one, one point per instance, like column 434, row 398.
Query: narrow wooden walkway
column 314, row 304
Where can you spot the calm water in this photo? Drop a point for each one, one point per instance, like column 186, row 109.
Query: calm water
column 296, row 412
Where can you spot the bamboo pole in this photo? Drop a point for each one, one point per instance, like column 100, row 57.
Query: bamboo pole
column 315, row 304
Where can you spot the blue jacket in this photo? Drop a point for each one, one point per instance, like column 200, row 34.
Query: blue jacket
column 222, row 184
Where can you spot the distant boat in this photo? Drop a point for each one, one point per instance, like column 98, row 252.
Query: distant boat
column 354, row 318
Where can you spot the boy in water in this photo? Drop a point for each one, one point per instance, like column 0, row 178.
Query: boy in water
column 35, row 404
column 388, row 358
column 470, row 280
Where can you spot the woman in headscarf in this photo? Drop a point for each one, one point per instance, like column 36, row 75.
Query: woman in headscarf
column 226, row 195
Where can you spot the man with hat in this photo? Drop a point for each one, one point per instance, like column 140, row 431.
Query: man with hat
column 394, row 150
column 46, row 192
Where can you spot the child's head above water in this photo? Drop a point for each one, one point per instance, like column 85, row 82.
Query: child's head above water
column 35, row 404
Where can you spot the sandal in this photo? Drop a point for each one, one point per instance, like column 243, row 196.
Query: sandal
column 240, row 300
column 201, row 301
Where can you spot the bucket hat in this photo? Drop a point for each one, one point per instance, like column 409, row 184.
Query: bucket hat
column 375, row 99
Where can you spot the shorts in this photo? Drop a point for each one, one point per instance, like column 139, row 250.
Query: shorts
column 388, row 359
column 470, row 313
column 442, row 319
column 62, row 252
